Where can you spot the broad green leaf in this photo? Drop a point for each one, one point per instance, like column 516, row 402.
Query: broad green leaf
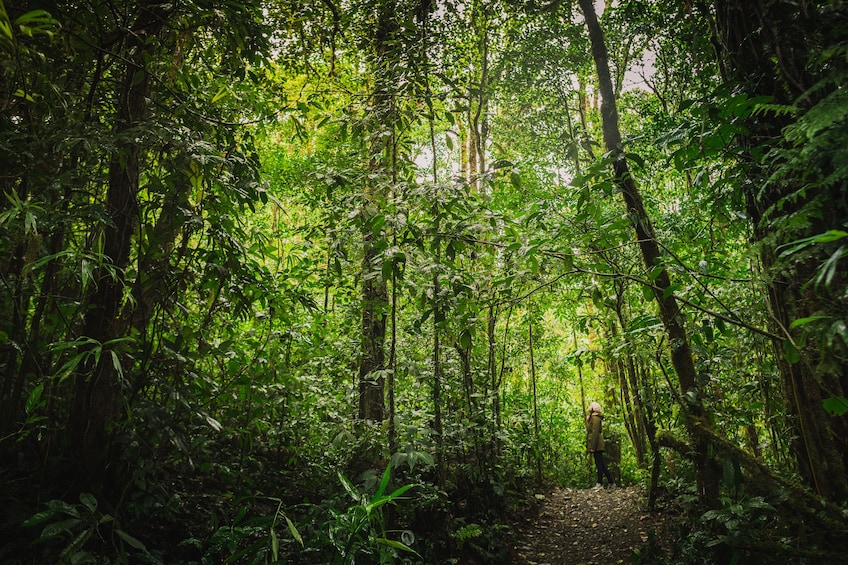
column 222, row 92
column 828, row 270
column 275, row 545
column 72, row 549
column 636, row 159
column 293, row 530
column 790, row 352
column 804, row 321
column 34, row 398
column 5, row 28
column 384, row 482
column 20, row 93
column 213, row 423
column 465, row 338
column 116, row 364
column 89, row 501
column 398, row 492
column 36, row 18
column 63, row 526
column 830, row 235
column 38, row 518
column 836, row 405
column 63, row 507
column 348, row 486
column 133, row 542
column 396, row 544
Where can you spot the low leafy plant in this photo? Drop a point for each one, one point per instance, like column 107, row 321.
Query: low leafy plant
column 467, row 532
column 69, row 530
column 737, row 522
column 360, row 529
column 250, row 540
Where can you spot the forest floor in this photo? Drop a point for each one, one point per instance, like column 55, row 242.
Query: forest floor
column 594, row 527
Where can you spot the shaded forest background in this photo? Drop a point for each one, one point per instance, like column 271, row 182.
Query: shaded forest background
column 331, row 280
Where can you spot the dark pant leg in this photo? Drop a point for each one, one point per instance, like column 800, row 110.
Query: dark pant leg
column 601, row 466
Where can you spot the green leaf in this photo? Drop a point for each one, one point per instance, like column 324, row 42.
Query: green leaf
column 5, row 28
column 828, row 269
column 636, row 159
column 63, row 507
column 836, row 405
column 62, row 526
column 395, row 544
column 799, row 244
column 348, row 486
column 73, row 549
column 275, row 545
column 36, row 18
column 655, row 272
column 803, row 321
column 38, row 518
column 20, row 93
column 133, row 542
column 116, row 364
column 89, row 501
column 669, row 290
column 465, row 338
column 34, row 399
column 384, row 482
column 213, row 423
column 790, row 352
column 400, row 491
column 293, row 530
column 830, row 235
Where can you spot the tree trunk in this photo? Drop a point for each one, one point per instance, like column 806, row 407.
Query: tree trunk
column 626, row 369
column 437, row 360
column 764, row 49
column 372, row 364
column 672, row 318
column 98, row 386
column 536, row 450
column 647, row 410
column 375, row 299
column 491, row 367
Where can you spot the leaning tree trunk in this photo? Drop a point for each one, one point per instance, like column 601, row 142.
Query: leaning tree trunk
column 764, row 48
column 670, row 314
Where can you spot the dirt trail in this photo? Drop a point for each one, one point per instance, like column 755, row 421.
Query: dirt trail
column 589, row 527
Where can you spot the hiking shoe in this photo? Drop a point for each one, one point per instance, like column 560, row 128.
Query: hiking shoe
column 597, row 486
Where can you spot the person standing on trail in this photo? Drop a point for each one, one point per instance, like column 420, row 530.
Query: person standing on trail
column 595, row 443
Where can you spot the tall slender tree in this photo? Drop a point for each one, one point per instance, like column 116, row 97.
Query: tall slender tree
column 381, row 124
column 670, row 313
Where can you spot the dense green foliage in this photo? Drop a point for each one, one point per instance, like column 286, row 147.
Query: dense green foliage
column 330, row 281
